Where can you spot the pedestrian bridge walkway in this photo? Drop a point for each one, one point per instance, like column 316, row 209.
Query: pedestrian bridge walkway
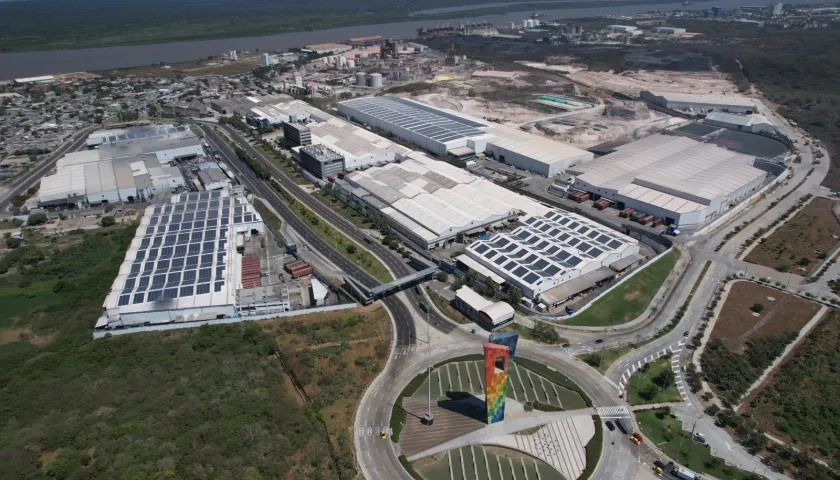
column 367, row 295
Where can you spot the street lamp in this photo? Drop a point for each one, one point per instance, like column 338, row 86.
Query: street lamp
column 429, row 417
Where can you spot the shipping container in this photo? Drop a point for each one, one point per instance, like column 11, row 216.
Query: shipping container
column 645, row 220
column 626, row 212
column 582, row 198
column 625, row 425
column 302, row 272
column 656, row 222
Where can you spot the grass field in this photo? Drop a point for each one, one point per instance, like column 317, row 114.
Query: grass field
column 350, row 249
column 667, row 434
column 610, row 355
column 487, row 461
column 644, row 381
column 798, row 402
column 18, row 301
column 743, row 343
column 630, row 299
column 268, row 216
column 340, row 208
column 286, row 165
column 802, row 242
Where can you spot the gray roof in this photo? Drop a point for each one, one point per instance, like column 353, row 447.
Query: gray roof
column 139, row 147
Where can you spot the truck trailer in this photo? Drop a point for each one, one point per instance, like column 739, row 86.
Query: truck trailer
column 686, row 474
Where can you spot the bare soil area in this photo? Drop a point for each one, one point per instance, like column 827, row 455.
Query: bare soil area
column 802, row 242
column 633, row 82
column 781, row 313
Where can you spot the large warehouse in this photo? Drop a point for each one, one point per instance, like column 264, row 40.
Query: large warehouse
column 685, row 182
column 743, row 123
column 443, row 132
column 182, row 264
column 556, row 255
column 433, row 202
column 126, row 165
column 696, row 103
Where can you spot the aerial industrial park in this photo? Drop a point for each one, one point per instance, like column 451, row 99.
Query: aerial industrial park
column 483, row 252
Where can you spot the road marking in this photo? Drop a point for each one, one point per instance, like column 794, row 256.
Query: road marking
column 729, row 447
column 612, row 412
column 613, row 383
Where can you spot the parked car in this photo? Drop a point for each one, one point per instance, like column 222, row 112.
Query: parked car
column 609, row 425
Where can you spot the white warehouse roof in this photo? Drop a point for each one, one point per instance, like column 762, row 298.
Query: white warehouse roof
column 706, row 98
column 673, row 166
column 434, row 199
column 742, row 120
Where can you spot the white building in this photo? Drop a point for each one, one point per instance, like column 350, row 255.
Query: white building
column 680, row 180
column 697, row 103
column 555, row 255
column 668, row 30
column 443, row 132
column 489, row 315
column 126, row 165
column 193, row 274
column 747, row 123
column 433, row 202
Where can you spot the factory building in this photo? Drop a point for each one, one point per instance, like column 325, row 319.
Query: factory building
column 448, row 133
column 322, row 48
column 127, row 165
column 320, row 161
column 668, row 30
column 745, row 123
column 182, row 264
column 556, row 255
column 684, row 182
column 213, row 178
column 698, row 104
column 434, row 203
column 296, row 135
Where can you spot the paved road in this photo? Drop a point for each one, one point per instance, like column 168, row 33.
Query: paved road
column 34, row 175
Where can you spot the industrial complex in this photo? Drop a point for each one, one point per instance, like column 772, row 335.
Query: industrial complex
column 696, row 103
column 446, row 133
column 125, row 165
column 675, row 178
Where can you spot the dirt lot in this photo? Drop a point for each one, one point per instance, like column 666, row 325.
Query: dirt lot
column 634, row 82
column 801, row 243
column 781, row 313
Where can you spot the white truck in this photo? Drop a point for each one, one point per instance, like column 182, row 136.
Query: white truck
column 686, row 474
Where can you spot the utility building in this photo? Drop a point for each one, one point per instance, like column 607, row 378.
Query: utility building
column 297, row 135
column 697, row 104
column 489, row 315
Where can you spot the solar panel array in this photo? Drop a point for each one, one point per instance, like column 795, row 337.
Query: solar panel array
column 138, row 133
column 423, row 122
column 183, row 251
column 545, row 247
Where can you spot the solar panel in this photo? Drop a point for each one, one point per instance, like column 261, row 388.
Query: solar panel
column 531, row 278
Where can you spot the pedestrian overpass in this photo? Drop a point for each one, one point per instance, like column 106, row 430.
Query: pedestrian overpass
column 367, row 295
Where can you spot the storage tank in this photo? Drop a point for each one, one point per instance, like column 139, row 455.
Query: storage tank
column 361, row 79
column 375, row 80
column 351, row 63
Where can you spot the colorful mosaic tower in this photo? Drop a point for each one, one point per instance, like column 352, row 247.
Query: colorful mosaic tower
column 496, row 362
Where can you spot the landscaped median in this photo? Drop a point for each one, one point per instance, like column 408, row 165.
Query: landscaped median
column 653, row 383
column 334, row 237
column 630, row 299
column 602, row 360
column 667, row 433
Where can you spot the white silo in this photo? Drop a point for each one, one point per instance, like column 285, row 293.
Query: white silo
column 361, row 79
column 351, row 63
column 375, row 80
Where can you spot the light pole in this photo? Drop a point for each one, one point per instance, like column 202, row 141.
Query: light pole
column 429, row 417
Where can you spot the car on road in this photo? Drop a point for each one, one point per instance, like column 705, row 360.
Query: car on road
column 383, row 433
column 566, row 345
column 657, row 469
column 659, row 464
column 609, row 425
column 699, row 437
column 600, row 340
column 685, row 333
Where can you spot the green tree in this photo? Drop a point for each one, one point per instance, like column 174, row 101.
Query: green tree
column 107, row 221
column 515, row 295
column 37, row 219
column 664, row 379
column 442, row 276
column 546, row 333
column 351, row 249
column 757, row 307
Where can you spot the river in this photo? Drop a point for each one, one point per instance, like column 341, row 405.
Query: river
column 26, row 64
